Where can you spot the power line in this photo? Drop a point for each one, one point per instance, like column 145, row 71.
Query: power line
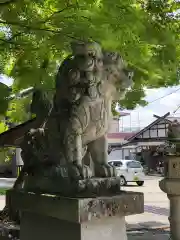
column 177, row 113
column 176, row 109
column 176, row 90
column 164, row 96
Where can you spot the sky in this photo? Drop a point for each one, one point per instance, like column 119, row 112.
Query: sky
column 5, row 80
column 142, row 116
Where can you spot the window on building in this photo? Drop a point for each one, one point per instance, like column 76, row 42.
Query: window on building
column 133, row 164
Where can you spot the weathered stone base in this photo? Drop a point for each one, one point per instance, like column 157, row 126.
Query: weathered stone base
column 90, row 187
column 54, row 217
column 37, row 227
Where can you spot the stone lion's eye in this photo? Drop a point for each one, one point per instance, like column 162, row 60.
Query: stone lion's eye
column 81, row 57
column 91, row 54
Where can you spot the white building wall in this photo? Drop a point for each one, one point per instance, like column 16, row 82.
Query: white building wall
column 121, row 154
column 114, row 126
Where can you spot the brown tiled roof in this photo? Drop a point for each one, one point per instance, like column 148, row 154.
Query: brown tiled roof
column 10, row 137
column 124, row 135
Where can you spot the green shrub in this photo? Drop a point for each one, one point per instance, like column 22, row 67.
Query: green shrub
column 3, row 191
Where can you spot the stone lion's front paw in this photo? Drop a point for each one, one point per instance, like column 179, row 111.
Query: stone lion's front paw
column 87, row 173
column 79, row 172
column 75, row 171
column 105, row 170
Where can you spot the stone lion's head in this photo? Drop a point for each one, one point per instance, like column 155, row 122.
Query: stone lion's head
column 117, row 72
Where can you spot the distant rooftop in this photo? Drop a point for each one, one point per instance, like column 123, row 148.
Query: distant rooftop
column 121, row 135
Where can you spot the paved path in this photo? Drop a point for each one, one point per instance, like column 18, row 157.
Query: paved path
column 7, row 182
column 153, row 224
column 156, row 207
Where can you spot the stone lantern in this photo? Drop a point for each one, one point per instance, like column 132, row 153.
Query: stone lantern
column 171, row 182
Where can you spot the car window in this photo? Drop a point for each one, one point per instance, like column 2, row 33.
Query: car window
column 110, row 163
column 117, row 164
column 134, row 164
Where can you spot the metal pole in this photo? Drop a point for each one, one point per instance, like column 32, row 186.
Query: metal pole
column 138, row 121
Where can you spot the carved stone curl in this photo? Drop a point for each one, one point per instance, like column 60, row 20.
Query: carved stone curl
column 69, row 155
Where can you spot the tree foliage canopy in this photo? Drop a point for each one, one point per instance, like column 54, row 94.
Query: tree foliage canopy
column 35, row 36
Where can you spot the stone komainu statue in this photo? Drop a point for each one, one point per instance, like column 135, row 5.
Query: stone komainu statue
column 75, row 132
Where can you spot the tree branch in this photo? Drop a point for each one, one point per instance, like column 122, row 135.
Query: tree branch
column 19, row 24
column 15, row 35
column 59, row 11
column 33, row 28
column 9, row 41
column 7, row 2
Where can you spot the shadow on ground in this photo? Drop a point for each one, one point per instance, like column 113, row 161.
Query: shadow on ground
column 148, row 231
column 147, row 225
column 149, row 235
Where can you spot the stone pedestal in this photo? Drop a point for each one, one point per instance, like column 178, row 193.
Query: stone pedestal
column 54, row 217
column 171, row 185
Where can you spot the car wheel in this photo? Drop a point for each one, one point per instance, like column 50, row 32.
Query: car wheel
column 140, row 183
column 122, row 181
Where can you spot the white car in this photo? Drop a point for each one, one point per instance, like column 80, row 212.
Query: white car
column 128, row 171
